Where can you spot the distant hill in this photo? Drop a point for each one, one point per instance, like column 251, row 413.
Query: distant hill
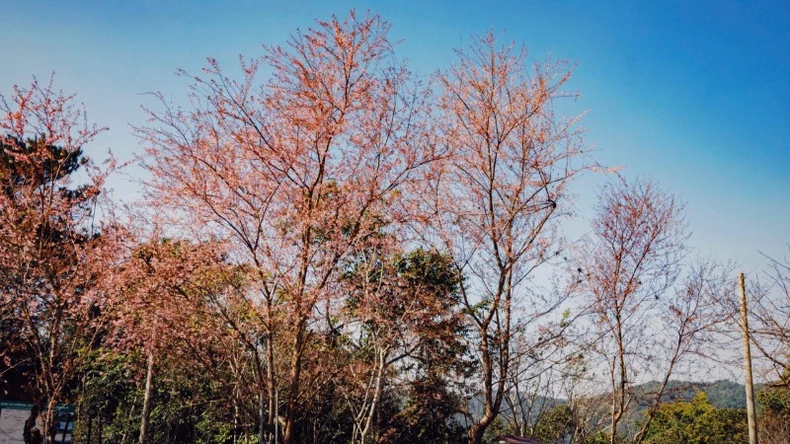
column 722, row 394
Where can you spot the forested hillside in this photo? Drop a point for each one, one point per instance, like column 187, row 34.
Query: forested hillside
column 722, row 394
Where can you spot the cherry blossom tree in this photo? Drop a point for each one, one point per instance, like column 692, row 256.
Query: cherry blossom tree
column 50, row 246
column 498, row 195
column 290, row 171
column 335, row 251
column 648, row 318
column 159, row 292
column 769, row 307
column 634, row 259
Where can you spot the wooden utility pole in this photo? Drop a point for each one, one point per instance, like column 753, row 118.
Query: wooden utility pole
column 747, row 364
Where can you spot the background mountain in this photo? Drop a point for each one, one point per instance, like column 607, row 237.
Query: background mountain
column 722, row 394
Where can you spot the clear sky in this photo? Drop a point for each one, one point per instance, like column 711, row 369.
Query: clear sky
column 693, row 94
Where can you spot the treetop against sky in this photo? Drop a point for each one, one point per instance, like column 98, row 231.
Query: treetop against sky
column 692, row 95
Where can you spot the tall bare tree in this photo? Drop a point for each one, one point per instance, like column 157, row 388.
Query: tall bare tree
column 498, row 195
column 644, row 323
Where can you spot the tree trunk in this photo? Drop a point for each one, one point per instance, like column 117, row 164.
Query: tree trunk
column 617, row 413
column 476, row 434
column 89, row 440
column 614, row 418
column 382, row 360
column 235, row 416
column 48, row 422
column 288, row 430
column 30, row 424
column 146, row 413
column 295, row 374
column 271, row 395
column 261, row 419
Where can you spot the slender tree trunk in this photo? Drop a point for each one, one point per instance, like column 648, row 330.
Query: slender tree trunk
column 296, row 372
column 288, row 430
column 382, row 360
column 271, row 388
column 264, row 422
column 618, row 405
column 48, row 419
column 145, row 415
column 613, row 425
column 476, row 434
column 235, row 415
column 261, row 418
column 477, row 429
column 30, row 424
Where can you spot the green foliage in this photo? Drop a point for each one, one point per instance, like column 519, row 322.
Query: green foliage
column 15, row 172
column 774, row 401
column 555, row 425
column 496, row 428
column 328, row 419
column 774, row 410
column 721, row 394
column 601, row 437
column 428, row 416
column 187, row 408
column 413, row 309
column 696, row 422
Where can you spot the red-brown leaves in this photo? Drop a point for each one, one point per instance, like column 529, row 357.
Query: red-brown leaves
column 42, row 112
column 162, row 290
column 45, row 228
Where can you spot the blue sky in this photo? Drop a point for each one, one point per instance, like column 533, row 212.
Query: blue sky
column 692, row 94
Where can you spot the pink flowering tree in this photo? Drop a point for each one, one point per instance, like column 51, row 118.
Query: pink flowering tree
column 50, row 245
column 497, row 196
column 651, row 312
column 162, row 295
column 290, row 171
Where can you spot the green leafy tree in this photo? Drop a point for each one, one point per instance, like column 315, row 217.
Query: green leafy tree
column 402, row 314
column 428, row 416
column 555, row 425
column 774, row 420
column 187, row 408
column 696, row 422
